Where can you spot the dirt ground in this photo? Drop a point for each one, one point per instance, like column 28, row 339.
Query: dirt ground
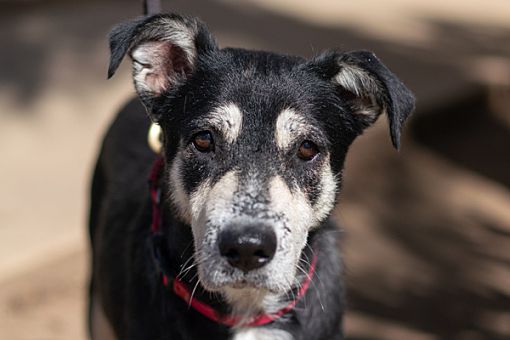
column 427, row 229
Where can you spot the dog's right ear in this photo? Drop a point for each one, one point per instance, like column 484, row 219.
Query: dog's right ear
column 164, row 50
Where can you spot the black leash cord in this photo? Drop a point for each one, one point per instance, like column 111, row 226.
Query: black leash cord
column 151, row 7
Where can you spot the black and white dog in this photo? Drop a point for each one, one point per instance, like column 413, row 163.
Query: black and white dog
column 253, row 146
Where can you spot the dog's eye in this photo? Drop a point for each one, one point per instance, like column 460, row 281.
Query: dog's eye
column 308, row 150
column 203, row 141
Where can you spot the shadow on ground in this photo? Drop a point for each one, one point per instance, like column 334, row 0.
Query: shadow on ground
column 434, row 257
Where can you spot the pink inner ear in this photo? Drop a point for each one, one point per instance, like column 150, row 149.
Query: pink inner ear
column 158, row 65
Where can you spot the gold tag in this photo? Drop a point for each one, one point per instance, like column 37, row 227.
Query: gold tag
column 154, row 138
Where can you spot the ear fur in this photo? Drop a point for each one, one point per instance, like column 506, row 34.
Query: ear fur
column 163, row 48
column 370, row 86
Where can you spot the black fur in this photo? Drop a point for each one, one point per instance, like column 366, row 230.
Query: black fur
column 125, row 279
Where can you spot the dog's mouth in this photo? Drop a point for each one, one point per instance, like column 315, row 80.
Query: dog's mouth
column 219, row 281
column 242, row 284
column 216, row 276
column 246, row 283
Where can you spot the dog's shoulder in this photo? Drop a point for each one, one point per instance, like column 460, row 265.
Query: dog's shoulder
column 126, row 139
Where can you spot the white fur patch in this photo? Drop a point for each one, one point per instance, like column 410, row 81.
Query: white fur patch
column 177, row 192
column 261, row 334
column 355, row 79
column 245, row 302
column 300, row 218
column 221, row 196
column 326, row 201
column 248, row 302
column 363, row 85
column 289, row 124
column 228, row 119
column 294, row 205
column 208, row 203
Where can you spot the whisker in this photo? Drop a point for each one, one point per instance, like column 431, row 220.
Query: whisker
column 185, row 249
column 186, row 271
column 289, row 290
column 183, row 267
column 316, row 288
column 193, row 293
column 298, row 286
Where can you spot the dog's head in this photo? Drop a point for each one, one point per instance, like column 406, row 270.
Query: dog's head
column 254, row 141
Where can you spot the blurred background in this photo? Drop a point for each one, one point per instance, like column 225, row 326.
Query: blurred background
column 426, row 230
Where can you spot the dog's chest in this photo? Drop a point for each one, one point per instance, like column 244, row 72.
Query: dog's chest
column 261, row 334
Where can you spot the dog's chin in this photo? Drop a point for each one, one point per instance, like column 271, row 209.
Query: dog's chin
column 251, row 286
column 240, row 284
column 240, row 281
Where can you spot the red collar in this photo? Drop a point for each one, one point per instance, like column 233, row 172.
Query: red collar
column 183, row 291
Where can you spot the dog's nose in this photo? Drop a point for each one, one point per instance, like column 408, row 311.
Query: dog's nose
column 247, row 247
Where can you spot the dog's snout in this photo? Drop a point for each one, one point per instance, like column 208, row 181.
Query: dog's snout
column 249, row 247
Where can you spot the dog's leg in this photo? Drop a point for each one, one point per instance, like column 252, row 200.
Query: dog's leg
column 100, row 327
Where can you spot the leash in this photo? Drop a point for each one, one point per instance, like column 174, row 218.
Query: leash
column 151, row 7
column 182, row 290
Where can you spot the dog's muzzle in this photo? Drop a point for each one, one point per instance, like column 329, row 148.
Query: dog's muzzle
column 247, row 247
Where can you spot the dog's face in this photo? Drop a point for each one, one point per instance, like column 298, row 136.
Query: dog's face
column 253, row 161
column 254, row 141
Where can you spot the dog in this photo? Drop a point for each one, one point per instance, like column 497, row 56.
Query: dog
column 232, row 237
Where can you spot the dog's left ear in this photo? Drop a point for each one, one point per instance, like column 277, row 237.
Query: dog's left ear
column 164, row 50
column 368, row 86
